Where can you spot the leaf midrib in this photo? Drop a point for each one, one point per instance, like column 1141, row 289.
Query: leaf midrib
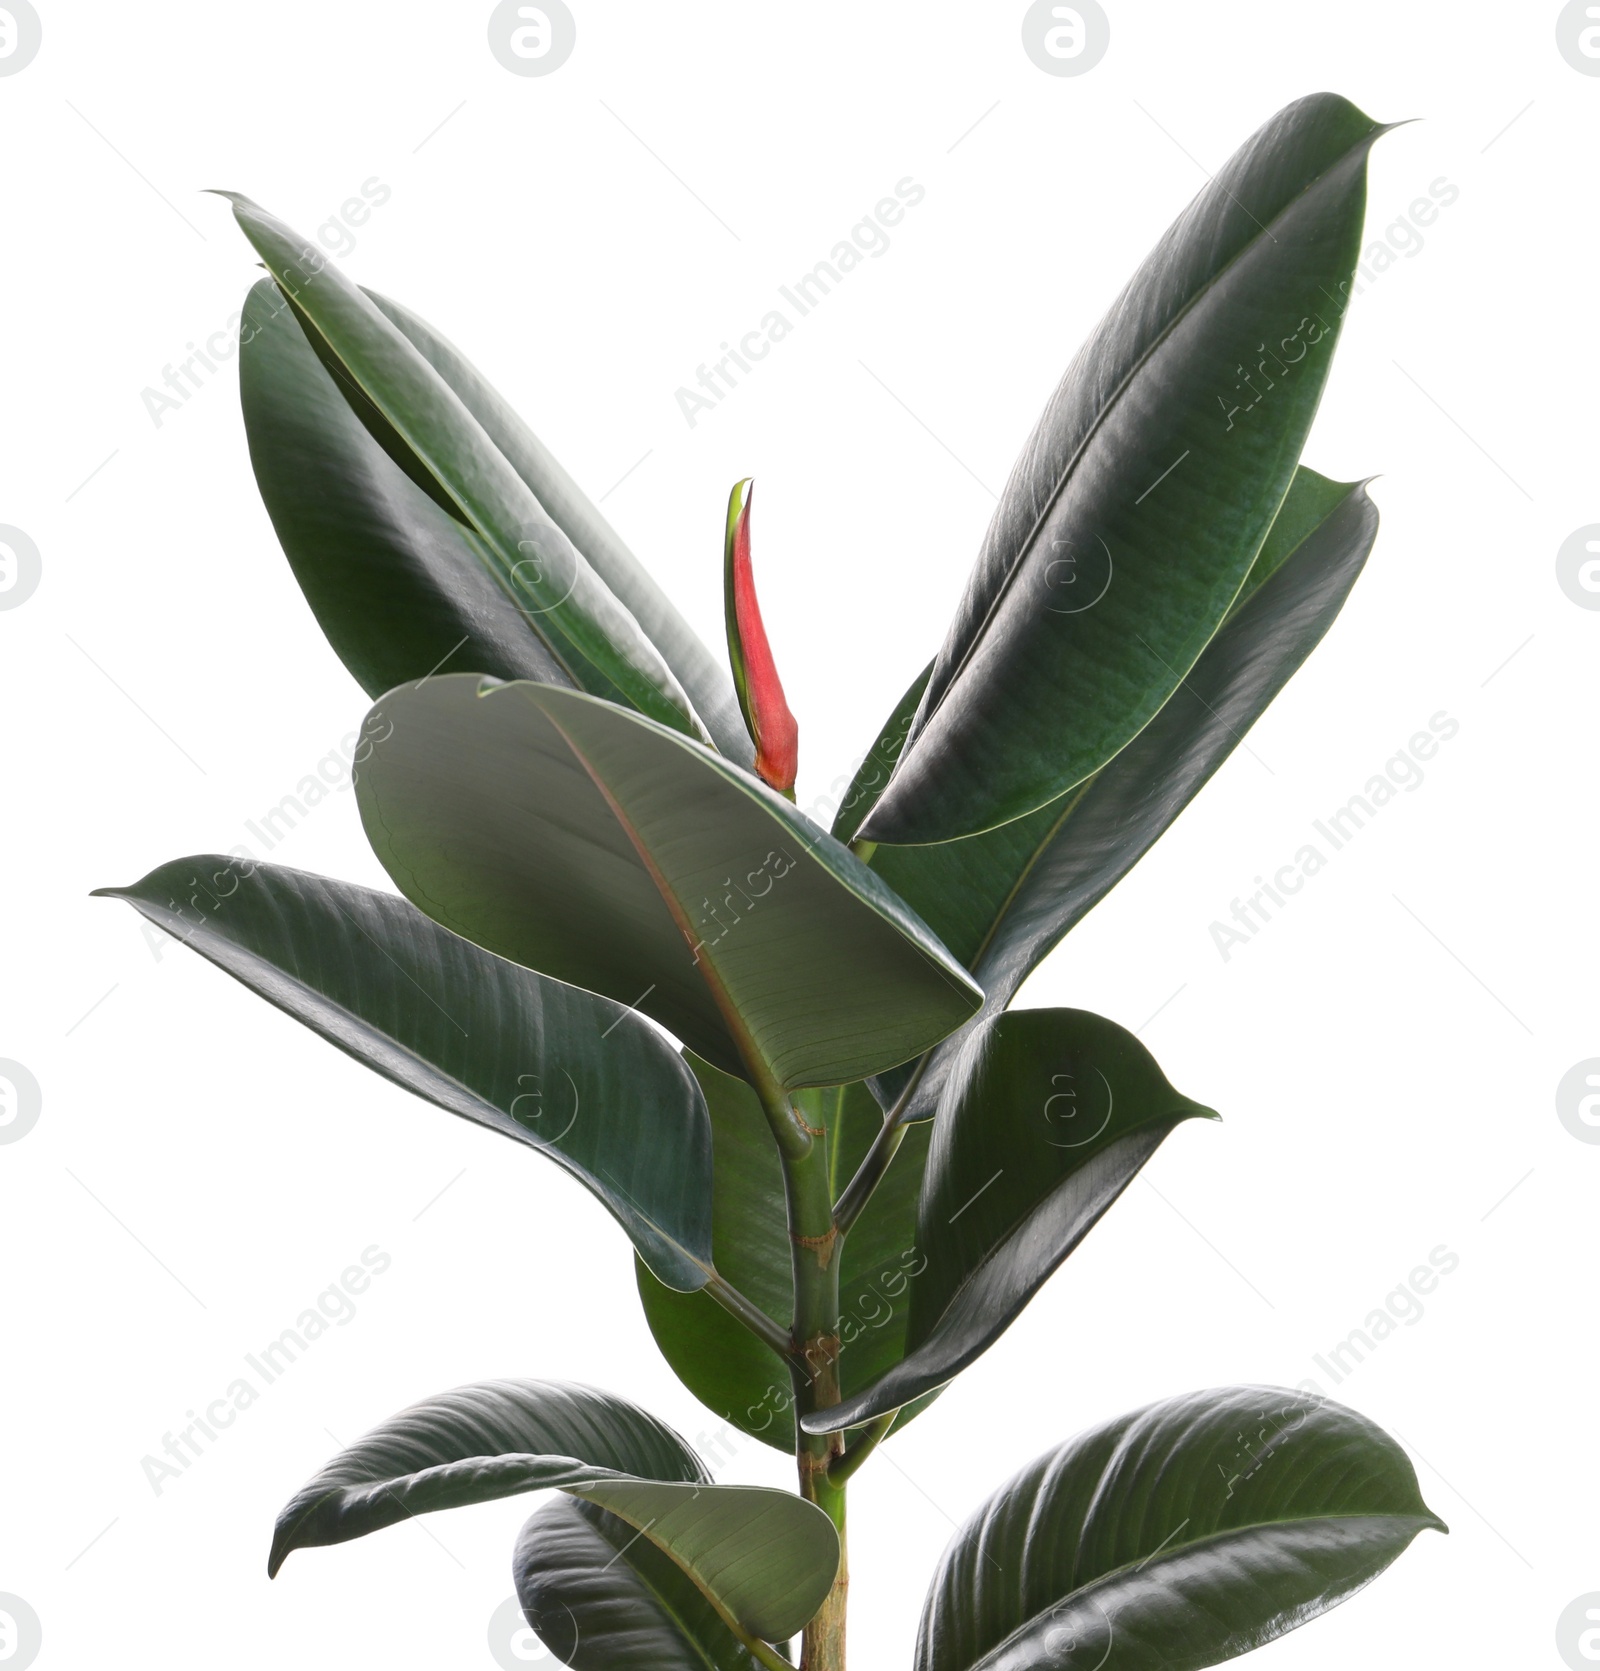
column 668, row 1607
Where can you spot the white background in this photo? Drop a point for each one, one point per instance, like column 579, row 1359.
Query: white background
column 203, row 1167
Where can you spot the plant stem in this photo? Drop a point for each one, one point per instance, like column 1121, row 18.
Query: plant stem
column 751, row 1315
column 815, row 1241
column 763, row 1653
column 876, row 1160
column 843, row 1467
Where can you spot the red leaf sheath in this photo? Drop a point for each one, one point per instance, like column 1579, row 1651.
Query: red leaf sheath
column 766, row 708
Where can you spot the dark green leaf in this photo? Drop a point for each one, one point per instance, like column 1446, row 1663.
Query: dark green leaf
column 576, row 838
column 596, row 1089
column 1174, row 1538
column 394, row 580
column 472, row 1445
column 721, row 1362
column 604, row 1599
column 742, row 1380
column 1146, row 490
column 764, row 1559
column 1003, row 900
column 1046, row 1118
column 427, row 430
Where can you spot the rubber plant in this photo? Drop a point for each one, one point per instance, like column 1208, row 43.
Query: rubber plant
column 858, row 1164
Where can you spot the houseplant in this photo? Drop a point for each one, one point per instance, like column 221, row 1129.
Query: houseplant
column 861, row 1164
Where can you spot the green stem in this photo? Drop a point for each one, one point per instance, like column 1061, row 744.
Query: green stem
column 815, row 1243
column 751, row 1315
column 875, row 1162
column 842, row 1468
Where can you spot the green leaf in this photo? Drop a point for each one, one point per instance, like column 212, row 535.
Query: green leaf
column 1046, row 1118
column 1003, row 900
column 604, row 1599
column 428, row 431
column 1174, row 1538
column 395, row 580
column 1146, row 490
column 764, row 1559
column 576, row 838
column 735, row 1375
column 472, row 1445
column 574, row 1076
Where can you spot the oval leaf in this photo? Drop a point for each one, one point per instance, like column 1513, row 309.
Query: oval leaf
column 473, row 1445
column 1174, row 1538
column 576, row 838
column 1046, row 1119
column 394, row 579
column 1141, row 499
column 425, row 427
column 1002, row 901
column 574, row 1076
column 764, row 1559
column 604, row 1599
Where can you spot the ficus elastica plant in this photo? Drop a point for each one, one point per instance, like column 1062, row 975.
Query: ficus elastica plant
column 782, row 1055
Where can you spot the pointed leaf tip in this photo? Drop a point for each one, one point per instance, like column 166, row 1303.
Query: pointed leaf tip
column 755, row 674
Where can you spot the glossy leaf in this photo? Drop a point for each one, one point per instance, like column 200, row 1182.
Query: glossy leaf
column 1046, row 1118
column 473, row 1445
column 576, row 838
column 1146, row 490
column 743, row 1381
column 574, row 1076
column 394, row 579
column 765, row 1559
column 604, row 1599
column 1174, row 1538
column 428, row 431
column 737, row 1376
column 1002, row 901
column 755, row 673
